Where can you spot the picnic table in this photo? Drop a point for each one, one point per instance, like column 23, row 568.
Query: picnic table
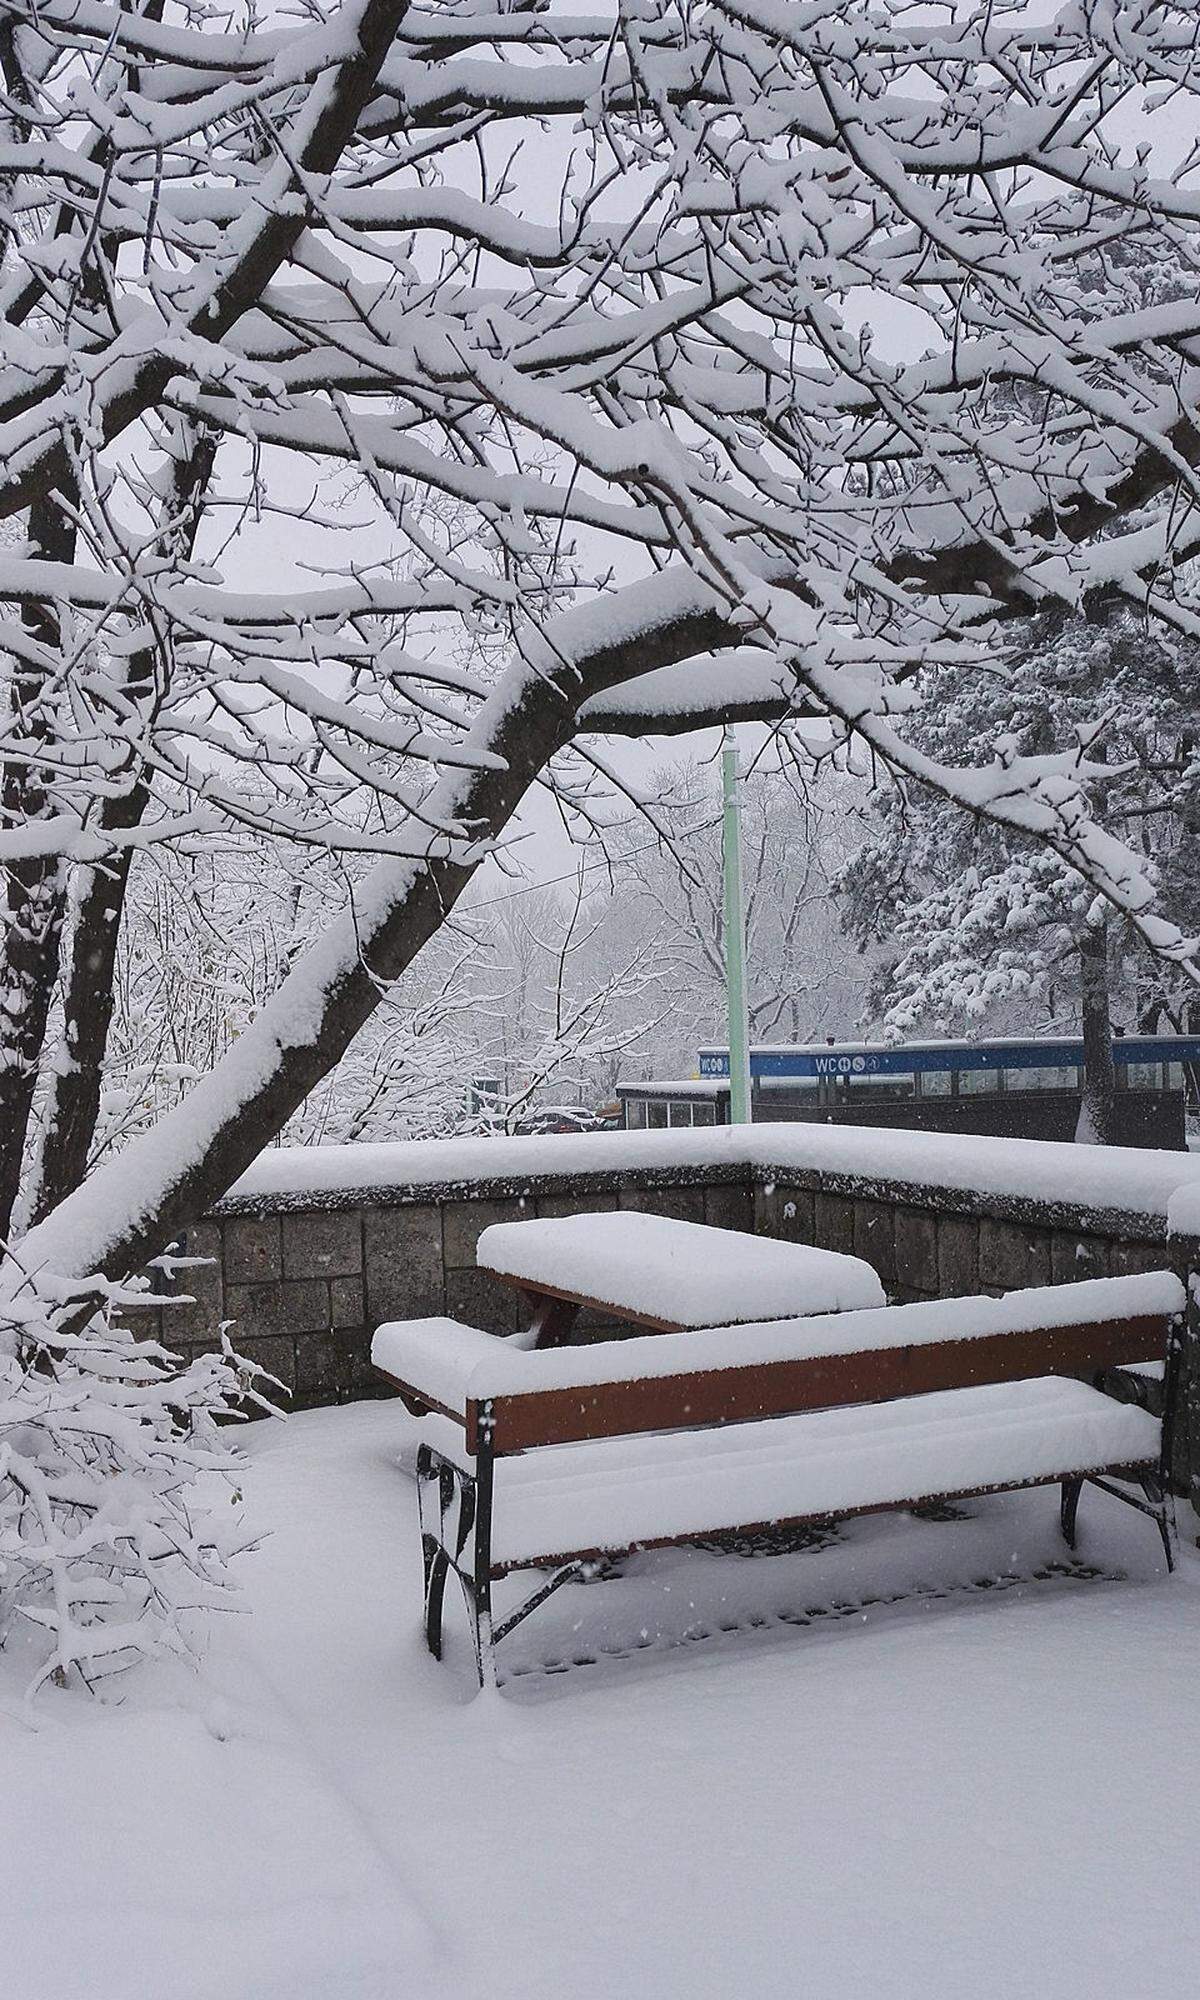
column 665, row 1275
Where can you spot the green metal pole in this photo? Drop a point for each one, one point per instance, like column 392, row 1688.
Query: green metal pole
column 735, row 939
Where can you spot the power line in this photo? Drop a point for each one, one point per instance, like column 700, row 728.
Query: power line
column 573, row 874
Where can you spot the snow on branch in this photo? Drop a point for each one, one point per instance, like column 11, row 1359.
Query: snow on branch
column 389, row 401
column 116, row 1483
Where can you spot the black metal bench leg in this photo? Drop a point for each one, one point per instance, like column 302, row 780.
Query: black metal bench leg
column 446, row 1507
column 437, row 1563
column 1156, row 1501
column 1069, row 1508
column 485, row 1650
column 477, row 1596
column 1158, row 1493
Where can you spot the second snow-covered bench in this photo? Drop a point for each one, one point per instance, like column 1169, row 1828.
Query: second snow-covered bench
column 554, row 1458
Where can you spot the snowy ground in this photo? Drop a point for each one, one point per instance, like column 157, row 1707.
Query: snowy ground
column 979, row 1794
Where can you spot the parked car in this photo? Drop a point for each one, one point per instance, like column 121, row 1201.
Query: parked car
column 564, row 1118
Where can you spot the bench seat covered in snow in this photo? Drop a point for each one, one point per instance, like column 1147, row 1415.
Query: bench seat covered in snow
column 643, row 1492
column 657, row 1272
column 555, row 1457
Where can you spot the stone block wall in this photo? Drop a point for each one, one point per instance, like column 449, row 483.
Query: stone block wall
column 305, row 1286
column 931, row 1243
column 305, row 1279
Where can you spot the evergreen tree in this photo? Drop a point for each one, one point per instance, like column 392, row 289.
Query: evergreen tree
column 979, row 928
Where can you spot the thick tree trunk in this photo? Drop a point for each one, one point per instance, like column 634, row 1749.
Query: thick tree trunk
column 73, row 1095
column 1097, row 1108
column 131, row 1208
column 35, row 889
column 73, row 1092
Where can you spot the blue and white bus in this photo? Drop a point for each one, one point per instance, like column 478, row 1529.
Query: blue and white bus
column 1020, row 1086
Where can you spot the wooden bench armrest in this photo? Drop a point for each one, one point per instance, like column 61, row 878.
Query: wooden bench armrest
column 431, row 1361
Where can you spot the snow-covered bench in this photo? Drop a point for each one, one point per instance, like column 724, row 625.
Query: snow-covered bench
column 555, row 1458
column 667, row 1275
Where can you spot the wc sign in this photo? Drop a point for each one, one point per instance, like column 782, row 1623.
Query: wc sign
column 844, row 1065
column 806, row 1062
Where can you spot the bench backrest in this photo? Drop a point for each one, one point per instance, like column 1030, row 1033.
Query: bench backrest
column 522, row 1420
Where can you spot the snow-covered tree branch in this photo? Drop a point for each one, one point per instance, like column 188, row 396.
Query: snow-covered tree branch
column 670, row 356
column 614, row 372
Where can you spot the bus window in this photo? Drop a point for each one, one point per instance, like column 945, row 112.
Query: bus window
column 978, row 1082
column 935, row 1083
column 1174, row 1076
column 881, row 1089
column 1032, row 1079
column 1142, row 1076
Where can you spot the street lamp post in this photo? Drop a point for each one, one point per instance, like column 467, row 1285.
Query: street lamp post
column 735, row 939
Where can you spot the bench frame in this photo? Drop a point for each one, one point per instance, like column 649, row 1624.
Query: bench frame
column 455, row 1504
column 455, row 1512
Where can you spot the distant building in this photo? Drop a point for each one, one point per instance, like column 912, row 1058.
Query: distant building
column 1025, row 1088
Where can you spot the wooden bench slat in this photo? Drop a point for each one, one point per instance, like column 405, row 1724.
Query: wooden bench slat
column 523, row 1421
column 629, row 1492
column 782, row 1523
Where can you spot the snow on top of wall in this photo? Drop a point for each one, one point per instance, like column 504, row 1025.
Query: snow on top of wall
column 427, row 1162
column 1101, row 1177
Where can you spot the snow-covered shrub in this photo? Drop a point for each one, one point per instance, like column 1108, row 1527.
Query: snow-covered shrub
column 119, row 1483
